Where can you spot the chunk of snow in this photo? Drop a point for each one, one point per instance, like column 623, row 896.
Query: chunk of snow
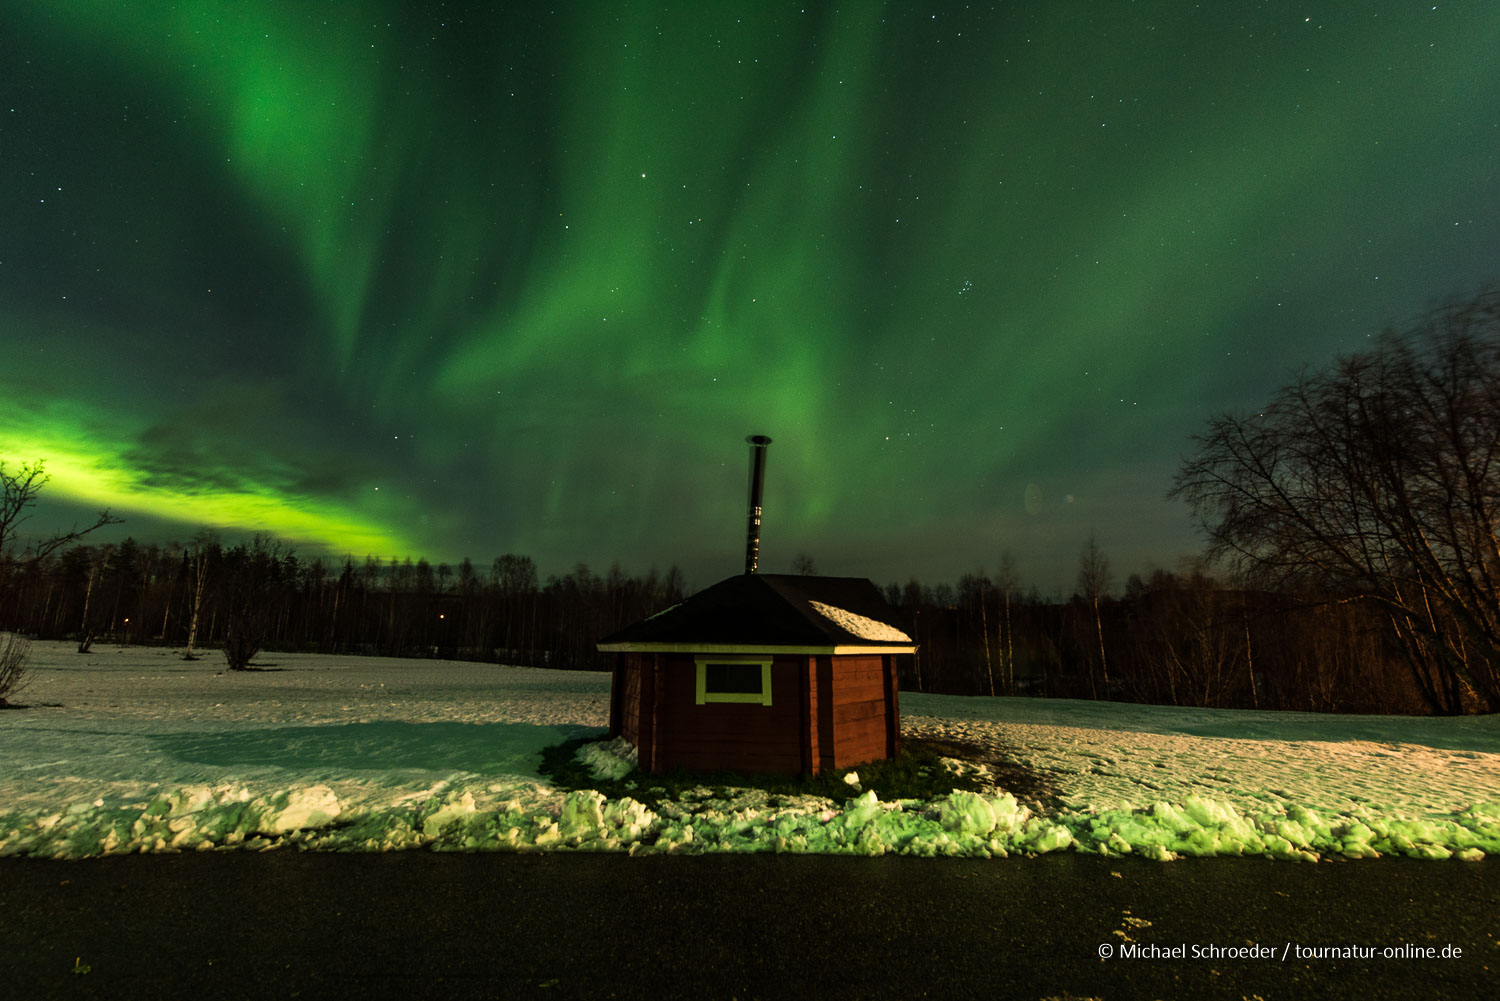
column 968, row 813
column 312, row 806
column 611, row 760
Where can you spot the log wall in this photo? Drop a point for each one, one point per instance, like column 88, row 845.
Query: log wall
column 629, row 697
column 857, row 713
column 729, row 736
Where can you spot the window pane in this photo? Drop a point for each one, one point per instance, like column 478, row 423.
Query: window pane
column 731, row 679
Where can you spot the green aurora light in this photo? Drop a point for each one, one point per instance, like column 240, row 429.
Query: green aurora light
column 447, row 280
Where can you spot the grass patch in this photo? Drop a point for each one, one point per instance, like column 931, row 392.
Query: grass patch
column 918, row 772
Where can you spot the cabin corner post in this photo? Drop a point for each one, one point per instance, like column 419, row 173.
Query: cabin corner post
column 892, row 706
column 807, row 693
column 616, row 695
column 646, row 730
column 827, row 733
column 659, row 665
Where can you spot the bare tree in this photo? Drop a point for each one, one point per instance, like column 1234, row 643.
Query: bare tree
column 1378, row 481
column 1093, row 584
column 1188, row 641
column 13, row 665
column 251, row 586
column 804, row 564
column 18, row 493
column 205, row 543
column 973, row 601
column 98, row 561
column 1006, row 581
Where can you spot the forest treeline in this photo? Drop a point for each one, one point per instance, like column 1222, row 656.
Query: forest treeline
column 1355, row 519
column 1170, row 638
column 260, row 595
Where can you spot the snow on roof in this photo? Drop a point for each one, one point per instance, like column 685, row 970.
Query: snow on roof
column 664, row 611
column 859, row 625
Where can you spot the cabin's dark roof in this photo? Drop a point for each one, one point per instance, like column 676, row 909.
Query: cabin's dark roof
column 771, row 610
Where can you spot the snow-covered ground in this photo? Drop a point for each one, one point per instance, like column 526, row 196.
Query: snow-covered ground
column 134, row 749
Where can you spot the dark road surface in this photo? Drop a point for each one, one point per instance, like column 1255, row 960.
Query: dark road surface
column 417, row 925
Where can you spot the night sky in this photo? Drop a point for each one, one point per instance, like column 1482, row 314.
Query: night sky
column 424, row 279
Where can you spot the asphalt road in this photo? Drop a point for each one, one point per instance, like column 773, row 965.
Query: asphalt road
column 419, row 925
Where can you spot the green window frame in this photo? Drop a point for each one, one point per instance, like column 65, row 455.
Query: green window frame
column 732, row 686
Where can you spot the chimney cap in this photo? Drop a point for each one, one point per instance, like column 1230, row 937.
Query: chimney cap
column 758, row 439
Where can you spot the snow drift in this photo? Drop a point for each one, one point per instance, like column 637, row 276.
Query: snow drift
column 132, row 750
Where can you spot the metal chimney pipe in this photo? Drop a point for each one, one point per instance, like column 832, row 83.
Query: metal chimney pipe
column 758, row 443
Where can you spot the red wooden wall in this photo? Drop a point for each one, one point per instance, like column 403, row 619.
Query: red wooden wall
column 825, row 712
column 855, row 712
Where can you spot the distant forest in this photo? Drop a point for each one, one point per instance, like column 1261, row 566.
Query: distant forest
column 1179, row 639
column 1357, row 515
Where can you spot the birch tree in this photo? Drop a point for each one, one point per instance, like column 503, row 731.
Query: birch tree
column 1378, row 480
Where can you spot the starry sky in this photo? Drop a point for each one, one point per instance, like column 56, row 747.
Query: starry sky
column 445, row 280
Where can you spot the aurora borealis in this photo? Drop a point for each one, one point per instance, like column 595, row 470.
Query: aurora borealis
column 448, row 280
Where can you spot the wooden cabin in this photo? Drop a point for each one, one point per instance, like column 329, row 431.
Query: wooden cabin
column 761, row 673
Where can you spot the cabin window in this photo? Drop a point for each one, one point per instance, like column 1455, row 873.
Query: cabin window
column 731, row 679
